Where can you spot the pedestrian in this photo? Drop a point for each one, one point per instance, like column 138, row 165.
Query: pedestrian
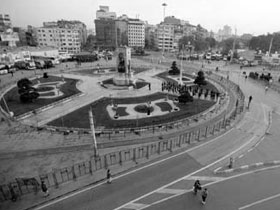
column 109, row 177
column 149, row 86
column 204, row 195
column 44, row 189
column 196, row 186
column 12, row 73
column 266, row 89
column 249, row 102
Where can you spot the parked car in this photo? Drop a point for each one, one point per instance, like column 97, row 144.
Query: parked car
column 39, row 64
column 20, row 65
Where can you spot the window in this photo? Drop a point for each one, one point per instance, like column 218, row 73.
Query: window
column 44, row 34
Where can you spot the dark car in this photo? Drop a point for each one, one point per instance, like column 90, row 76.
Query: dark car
column 20, row 65
column 39, row 64
column 48, row 64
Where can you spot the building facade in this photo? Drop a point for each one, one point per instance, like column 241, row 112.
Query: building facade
column 5, row 22
column 65, row 40
column 136, row 33
column 165, row 36
column 104, row 12
column 105, row 33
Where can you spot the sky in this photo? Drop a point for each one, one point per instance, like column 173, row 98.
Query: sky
column 246, row 16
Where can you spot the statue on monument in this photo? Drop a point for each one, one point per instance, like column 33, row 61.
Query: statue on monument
column 121, row 64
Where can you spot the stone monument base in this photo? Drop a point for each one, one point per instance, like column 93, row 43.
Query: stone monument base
column 123, row 79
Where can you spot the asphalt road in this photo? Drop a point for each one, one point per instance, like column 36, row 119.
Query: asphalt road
column 255, row 190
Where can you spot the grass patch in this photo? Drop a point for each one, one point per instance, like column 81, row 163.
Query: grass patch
column 121, row 111
column 14, row 104
column 42, row 88
column 164, row 106
column 79, row 118
column 143, row 108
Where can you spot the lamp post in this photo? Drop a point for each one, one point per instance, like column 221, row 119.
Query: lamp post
column 163, row 33
column 181, row 71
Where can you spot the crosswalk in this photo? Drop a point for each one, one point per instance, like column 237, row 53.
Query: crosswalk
column 182, row 186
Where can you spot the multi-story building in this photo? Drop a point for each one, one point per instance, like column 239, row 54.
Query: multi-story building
column 136, row 33
column 105, row 33
column 5, row 22
column 165, row 36
column 122, row 32
column 31, row 36
column 69, row 24
column 66, row 40
column 103, row 12
column 22, row 36
column 9, row 38
column 224, row 33
column 150, row 33
column 188, row 29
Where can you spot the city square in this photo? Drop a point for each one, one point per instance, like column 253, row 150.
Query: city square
column 118, row 124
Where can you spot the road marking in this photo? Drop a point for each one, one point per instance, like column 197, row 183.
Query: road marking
column 212, row 183
column 195, row 172
column 249, row 150
column 259, row 164
column 135, row 206
column 130, row 172
column 259, row 201
column 171, row 191
column 240, row 156
column 217, row 169
column 204, row 178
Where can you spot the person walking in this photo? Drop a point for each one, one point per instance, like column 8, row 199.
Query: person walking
column 109, row 177
column 196, row 186
column 204, row 195
column 44, row 189
column 249, row 102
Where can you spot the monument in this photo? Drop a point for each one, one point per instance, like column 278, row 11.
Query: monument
column 124, row 75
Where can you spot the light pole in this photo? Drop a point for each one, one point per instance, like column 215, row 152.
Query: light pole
column 163, row 33
column 181, row 71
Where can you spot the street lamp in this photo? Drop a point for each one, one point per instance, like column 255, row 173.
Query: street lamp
column 163, row 34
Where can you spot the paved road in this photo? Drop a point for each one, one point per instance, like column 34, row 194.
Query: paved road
column 243, row 192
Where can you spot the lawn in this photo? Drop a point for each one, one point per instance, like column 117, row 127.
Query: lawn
column 14, row 104
column 79, row 118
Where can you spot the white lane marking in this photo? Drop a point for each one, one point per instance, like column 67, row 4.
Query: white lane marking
column 171, row 191
column 217, row 169
column 212, row 183
column 259, row 164
column 259, row 201
column 249, row 150
column 136, row 206
column 204, row 178
column 199, row 170
column 240, row 156
column 130, row 172
column 244, row 167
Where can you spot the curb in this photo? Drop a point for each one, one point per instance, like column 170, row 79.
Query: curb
column 248, row 167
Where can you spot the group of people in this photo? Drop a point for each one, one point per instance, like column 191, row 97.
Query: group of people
column 204, row 193
column 173, row 87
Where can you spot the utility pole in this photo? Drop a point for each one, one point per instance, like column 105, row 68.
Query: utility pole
column 92, row 131
column 181, row 70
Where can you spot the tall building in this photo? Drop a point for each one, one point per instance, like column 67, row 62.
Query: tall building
column 122, row 32
column 65, row 40
column 165, row 36
column 103, row 12
column 150, row 33
column 224, row 33
column 5, row 22
column 105, row 33
column 31, row 36
column 136, row 33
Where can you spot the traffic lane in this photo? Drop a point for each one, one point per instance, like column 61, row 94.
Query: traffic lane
column 232, row 193
column 267, row 204
column 131, row 186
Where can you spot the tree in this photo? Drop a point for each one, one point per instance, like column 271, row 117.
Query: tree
column 185, row 97
column 26, row 91
column 90, row 43
column 227, row 45
column 211, row 42
column 174, row 69
column 200, row 79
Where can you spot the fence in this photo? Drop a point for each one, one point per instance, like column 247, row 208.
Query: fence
column 58, row 176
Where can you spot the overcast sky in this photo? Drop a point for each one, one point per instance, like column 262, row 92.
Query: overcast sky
column 247, row 16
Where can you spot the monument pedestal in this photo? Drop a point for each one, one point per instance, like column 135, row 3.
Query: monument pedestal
column 123, row 79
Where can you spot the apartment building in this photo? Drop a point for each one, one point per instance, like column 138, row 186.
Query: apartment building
column 165, row 36
column 65, row 40
column 136, row 33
